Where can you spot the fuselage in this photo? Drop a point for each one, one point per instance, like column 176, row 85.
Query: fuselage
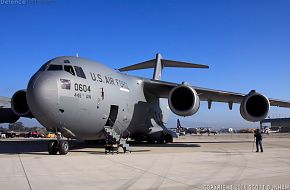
column 79, row 97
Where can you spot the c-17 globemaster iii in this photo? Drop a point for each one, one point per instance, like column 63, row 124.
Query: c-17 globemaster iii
column 87, row 100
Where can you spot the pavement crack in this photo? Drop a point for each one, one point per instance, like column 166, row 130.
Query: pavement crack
column 24, row 172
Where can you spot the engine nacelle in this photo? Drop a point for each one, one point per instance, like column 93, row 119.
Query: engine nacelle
column 7, row 116
column 19, row 104
column 255, row 107
column 183, row 100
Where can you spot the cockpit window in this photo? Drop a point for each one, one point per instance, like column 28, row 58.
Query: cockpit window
column 69, row 69
column 54, row 68
column 80, row 72
column 42, row 68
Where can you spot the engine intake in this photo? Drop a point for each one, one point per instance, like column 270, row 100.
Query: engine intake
column 19, row 104
column 183, row 100
column 255, row 107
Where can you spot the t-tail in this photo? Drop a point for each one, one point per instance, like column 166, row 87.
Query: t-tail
column 158, row 64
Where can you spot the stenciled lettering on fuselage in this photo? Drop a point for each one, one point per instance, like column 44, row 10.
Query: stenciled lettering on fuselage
column 109, row 80
column 82, row 91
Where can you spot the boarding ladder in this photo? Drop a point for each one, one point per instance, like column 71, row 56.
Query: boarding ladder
column 113, row 135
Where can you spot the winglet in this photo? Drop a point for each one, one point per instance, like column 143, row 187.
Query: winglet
column 158, row 64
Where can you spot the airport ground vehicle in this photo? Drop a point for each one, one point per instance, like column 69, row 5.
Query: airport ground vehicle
column 10, row 134
column 50, row 135
column 34, row 134
column 2, row 135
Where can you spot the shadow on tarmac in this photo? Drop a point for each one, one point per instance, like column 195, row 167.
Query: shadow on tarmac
column 215, row 142
column 175, row 144
column 39, row 146
column 22, row 146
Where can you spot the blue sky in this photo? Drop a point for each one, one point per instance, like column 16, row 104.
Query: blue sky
column 246, row 43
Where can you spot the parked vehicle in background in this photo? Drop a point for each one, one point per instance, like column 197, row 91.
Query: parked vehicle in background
column 10, row 134
column 247, row 130
column 2, row 135
column 50, row 135
column 34, row 134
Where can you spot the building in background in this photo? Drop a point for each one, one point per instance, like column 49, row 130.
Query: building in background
column 281, row 125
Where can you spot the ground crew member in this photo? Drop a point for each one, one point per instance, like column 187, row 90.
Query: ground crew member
column 258, row 137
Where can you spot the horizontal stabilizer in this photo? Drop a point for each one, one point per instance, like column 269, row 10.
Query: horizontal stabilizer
column 143, row 65
column 164, row 62
column 158, row 64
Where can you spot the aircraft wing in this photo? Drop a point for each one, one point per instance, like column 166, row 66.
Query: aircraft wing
column 5, row 102
column 6, row 113
column 161, row 89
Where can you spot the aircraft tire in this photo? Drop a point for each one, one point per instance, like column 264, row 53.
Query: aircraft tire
column 161, row 140
column 168, row 139
column 151, row 140
column 52, row 147
column 63, row 147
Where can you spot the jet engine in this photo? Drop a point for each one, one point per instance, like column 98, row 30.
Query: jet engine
column 183, row 100
column 255, row 107
column 7, row 116
column 19, row 104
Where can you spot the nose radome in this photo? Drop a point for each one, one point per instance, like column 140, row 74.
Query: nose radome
column 42, row 95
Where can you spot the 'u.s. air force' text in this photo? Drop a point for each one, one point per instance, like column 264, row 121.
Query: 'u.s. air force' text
column 109, row 80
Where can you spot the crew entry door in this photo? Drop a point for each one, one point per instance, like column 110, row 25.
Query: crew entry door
column 112, row 116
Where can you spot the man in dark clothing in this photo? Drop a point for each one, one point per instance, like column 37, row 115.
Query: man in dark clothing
column 258, row 137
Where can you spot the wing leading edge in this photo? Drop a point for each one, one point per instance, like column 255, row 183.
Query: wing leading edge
column 162, row 89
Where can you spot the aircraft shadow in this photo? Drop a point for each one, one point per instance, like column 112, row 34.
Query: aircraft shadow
column 39, row 146
column 23, row 146
column 182, row 144
column 214, row 142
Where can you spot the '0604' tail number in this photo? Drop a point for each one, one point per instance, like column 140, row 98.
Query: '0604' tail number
column 82, row 87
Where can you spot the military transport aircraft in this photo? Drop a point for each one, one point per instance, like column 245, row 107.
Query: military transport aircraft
column 87, row 100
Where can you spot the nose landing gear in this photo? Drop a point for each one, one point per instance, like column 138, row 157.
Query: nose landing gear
column 59, row 145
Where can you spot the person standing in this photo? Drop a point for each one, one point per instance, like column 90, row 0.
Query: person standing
column 259, row 138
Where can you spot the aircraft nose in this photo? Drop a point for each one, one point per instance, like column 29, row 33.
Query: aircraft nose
column 42, row 96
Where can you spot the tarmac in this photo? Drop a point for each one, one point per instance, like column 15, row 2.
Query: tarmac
column 221, row 161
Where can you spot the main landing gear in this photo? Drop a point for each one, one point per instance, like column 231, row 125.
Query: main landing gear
column 59, row 145
column 163, row 139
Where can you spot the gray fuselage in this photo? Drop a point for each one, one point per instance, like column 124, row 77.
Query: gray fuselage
column 79, row 97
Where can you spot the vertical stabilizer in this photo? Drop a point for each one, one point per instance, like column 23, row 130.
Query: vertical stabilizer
column 158, row 67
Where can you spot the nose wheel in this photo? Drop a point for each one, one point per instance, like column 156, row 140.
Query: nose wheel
column 54, row 147
column 59, row 145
